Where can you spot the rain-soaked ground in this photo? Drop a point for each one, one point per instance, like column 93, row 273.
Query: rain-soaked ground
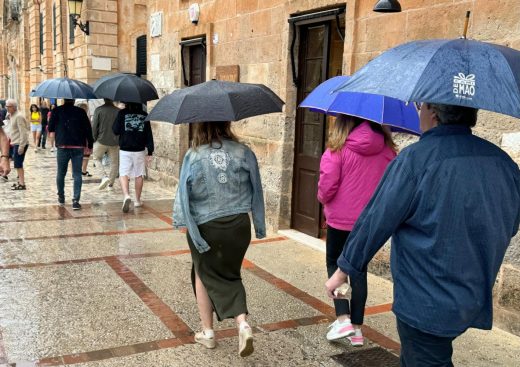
column 97, row 287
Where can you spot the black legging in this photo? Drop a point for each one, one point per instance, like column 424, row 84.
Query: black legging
column 43, row 136
column 336, row 240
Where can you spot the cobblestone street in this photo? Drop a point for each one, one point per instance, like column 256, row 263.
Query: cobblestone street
column 97, row 287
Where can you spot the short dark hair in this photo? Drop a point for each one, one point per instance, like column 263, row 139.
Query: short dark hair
column 454, row 115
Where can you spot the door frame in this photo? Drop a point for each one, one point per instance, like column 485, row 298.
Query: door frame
column 299, row 22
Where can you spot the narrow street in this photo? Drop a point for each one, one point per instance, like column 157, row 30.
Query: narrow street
column 97, row 287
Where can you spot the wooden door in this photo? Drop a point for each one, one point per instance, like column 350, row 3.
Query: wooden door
column 310, row 129
column 197, row 66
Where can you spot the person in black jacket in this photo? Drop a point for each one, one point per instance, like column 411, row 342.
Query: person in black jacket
column 135, row 135
column 71, row 128
column 44, row 110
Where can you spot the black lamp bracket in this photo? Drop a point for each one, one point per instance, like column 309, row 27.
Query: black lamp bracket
column 84, row 27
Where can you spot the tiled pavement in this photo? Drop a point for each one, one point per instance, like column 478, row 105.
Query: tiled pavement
column 100, row 288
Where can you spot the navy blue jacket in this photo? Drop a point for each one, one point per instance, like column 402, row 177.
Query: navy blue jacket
column 451, row 203
column 72, row 126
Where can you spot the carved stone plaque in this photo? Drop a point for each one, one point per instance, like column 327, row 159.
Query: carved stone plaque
column 228, row 73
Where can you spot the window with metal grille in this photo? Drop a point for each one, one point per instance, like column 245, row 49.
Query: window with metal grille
column 54, row 25
column 71, row 29
column 140, row 68
column 41, row 33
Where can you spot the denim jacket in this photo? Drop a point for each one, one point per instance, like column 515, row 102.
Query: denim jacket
column 217, row 181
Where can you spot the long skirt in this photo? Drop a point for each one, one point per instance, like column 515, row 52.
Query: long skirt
column 219, row 268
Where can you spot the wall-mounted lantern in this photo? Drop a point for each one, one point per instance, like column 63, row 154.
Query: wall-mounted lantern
column 194, row 12
column 387, row 6
column 75, row 14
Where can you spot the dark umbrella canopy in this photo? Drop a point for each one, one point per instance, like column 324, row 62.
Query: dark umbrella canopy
column 125, row 88
column 63, row 88
column 457, row 72
column 216, row 101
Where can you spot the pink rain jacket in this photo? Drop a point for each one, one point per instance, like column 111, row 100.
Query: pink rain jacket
column 349, row 177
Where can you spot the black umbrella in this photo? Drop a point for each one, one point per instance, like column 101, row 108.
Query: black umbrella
column 63, row 88
column 216, row 101
column 125, row 88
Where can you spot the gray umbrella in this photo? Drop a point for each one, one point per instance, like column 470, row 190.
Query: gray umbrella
column 216, row 101
column 125, row 88
column 63, row 88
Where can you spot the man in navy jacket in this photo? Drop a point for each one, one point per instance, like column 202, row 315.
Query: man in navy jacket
column 73, row 133
column 451, row 203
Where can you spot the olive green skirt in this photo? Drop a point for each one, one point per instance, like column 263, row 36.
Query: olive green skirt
column 219, row 268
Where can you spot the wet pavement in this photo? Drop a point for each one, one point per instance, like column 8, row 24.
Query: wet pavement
column 97, row 287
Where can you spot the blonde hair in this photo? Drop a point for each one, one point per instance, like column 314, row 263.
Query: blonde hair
column 343, row 126
column 213, row 131
column 83, row 106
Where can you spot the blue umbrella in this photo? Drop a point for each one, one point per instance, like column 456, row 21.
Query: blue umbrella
column 456, row 72
column 63, row 88
column 399, row 115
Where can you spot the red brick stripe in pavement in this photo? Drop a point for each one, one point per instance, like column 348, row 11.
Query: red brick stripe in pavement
column 158, row 214
column 72, row 235
column 324, row 308
column 173, row 322
column 173, row 342
column 182, row 331
column 128, row 256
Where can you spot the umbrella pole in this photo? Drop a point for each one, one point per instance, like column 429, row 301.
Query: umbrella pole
column 466, row 24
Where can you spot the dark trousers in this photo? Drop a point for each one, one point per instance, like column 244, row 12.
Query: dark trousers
column 336, row 240
column 419, row 349
column 43, row 137
column 75, row 155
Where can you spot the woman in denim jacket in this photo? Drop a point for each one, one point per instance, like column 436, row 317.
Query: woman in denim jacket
column 219, row 185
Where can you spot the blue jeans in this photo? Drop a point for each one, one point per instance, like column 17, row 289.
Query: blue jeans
column 75, row 155
column 336, row 241
column 419, row 349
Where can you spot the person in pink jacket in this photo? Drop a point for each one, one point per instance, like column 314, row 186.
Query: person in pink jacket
column 350, row 169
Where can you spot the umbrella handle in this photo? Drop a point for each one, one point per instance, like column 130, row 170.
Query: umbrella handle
column 466, row 24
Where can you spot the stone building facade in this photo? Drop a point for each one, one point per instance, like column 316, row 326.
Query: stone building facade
column 291, row 46
column 40, row 42
column 288, row 45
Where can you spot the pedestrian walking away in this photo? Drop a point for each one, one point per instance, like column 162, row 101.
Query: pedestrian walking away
column 49, row 137
column 136, row 149
column 106, row 142
column 219, row 185
column 19, row 133
column 450, row 201
column 3, row 111
column 36, row 125
column 70, row 126
column 44, row 111
column 87, row 152
column 5, row 164
column 350, row 169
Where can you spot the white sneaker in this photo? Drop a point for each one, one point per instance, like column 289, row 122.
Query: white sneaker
column 245, row 341
column 104, row 183
column 206, row 340
column 126, row 204
column 357, row 340
column 340, row 330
